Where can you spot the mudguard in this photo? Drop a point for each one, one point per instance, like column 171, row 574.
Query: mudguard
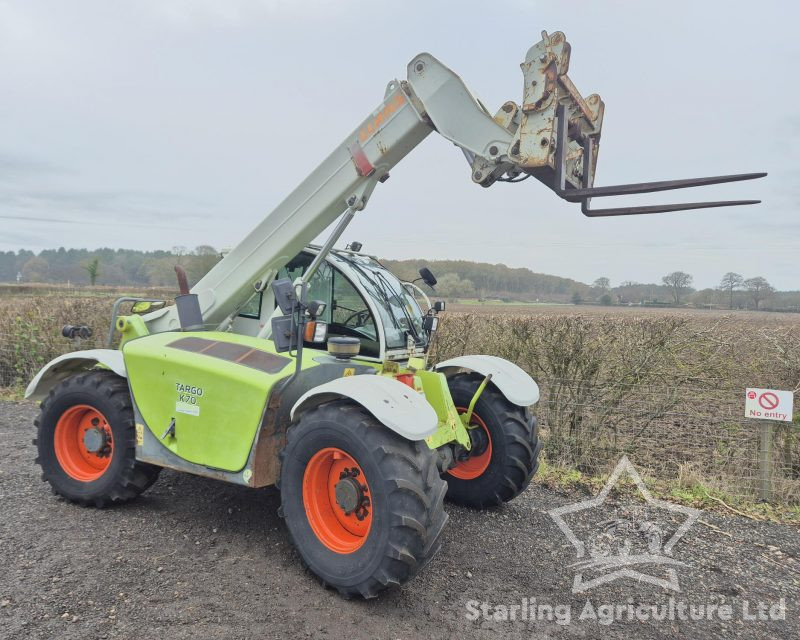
column 393, row 403
column 63, row 366
column 516, row 385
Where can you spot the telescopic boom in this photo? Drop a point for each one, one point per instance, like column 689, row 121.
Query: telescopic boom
column 552, row 136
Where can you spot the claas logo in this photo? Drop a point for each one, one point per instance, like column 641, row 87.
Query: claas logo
column 394, row 103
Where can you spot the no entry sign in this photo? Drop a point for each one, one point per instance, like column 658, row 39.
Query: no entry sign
column 769, row 404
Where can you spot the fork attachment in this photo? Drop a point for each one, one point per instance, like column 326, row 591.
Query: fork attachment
column 556, row 138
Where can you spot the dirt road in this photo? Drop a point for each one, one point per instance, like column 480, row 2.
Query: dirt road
column 194, row 558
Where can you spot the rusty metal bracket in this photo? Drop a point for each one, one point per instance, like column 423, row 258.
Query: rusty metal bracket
column 585, row 194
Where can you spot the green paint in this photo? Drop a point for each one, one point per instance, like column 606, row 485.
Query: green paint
column 217, row 404
column 130, row 328
column 437, row 393
column 466, row 417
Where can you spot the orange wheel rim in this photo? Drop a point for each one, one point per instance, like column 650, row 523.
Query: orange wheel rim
column 83, row 443
column 474, row 466
column 337, row 500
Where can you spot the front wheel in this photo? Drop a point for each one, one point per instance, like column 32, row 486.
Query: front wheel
column 87, row 443
column 364, row 506
column 505, row 448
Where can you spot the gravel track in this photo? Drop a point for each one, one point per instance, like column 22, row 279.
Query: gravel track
column 195, row 558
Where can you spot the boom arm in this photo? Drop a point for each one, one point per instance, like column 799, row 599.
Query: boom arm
column 554, row 137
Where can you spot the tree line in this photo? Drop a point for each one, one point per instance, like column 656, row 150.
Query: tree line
column 733, row 292
column 458, row 279
column 127, row 267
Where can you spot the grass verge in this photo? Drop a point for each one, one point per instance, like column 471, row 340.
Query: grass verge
column 698, row 495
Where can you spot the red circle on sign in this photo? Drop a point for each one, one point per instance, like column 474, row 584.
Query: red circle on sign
column 768, row 400
column 752, row 395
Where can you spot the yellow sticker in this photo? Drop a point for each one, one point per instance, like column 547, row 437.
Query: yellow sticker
column 139, row 435
column 349, row 371
column 390, row 367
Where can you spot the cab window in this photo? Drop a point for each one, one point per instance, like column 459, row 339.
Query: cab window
column 252, row 308
column 346, row 311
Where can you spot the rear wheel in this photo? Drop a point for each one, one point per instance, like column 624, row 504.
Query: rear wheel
column 505, row 447
column 364, row 506
column 86, row 441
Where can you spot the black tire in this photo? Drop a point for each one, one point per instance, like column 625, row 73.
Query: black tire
column 124, row 478
column 406, row 492
column 515, row 446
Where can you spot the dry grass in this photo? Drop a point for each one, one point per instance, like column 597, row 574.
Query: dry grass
column 32, row 318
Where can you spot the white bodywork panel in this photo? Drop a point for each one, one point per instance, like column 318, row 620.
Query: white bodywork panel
column 63, row 366
column 511, row 380
column 395, row 404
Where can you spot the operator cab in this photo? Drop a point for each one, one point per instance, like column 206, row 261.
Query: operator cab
column 363, row 300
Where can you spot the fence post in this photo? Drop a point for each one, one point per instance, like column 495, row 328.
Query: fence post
column 765, row 461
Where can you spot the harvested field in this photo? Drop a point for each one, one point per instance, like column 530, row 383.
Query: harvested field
column 749, row 317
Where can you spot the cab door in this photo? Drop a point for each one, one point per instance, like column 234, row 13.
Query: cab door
column 347, row 312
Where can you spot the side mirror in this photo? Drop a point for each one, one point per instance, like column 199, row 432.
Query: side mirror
column 427, row 277
column 284, row 295
column 316, row 308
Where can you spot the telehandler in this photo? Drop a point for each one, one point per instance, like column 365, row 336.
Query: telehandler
column 305, row 366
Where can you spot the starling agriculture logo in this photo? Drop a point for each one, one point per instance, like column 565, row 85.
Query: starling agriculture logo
column 633, row 544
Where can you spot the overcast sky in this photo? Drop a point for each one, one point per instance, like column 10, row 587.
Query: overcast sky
column 156, row 123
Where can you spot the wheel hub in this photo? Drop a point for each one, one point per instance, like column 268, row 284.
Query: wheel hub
column 480, row 441
column 351, row 494
column 348, row 495
column 95, row 440
column 473, row 463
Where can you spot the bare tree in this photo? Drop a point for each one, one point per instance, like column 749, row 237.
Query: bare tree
column 730, row 282
column 679, row 282
column 604, row 284
column 179, row 251
column 759, row 289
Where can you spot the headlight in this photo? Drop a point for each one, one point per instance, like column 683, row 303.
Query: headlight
column 315, row 331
